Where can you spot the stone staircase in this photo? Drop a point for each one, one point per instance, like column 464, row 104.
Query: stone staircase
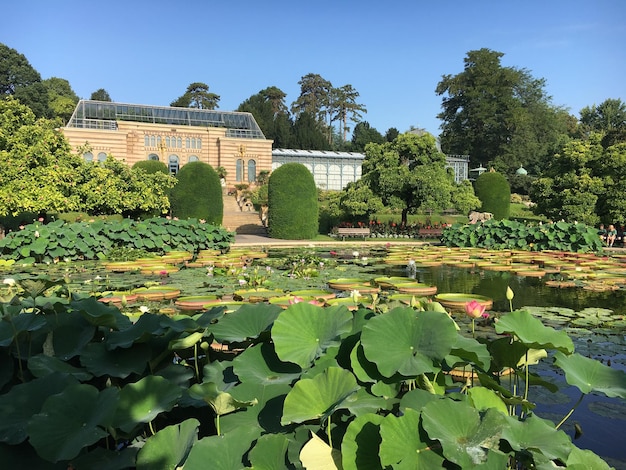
column 244, row 221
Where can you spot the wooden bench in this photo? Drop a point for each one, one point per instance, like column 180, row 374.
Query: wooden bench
column 344, row 232
column 430, row 233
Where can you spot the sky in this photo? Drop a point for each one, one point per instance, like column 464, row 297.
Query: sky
column 393, row 53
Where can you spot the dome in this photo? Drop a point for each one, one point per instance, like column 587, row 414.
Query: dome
column 521, row 171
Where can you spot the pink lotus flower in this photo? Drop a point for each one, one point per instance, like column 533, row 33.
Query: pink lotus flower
column 474, row 309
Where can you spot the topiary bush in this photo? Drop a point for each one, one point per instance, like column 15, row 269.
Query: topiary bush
column 152, row 166
column 198, row 194
column 494, row 192
column 292, row 201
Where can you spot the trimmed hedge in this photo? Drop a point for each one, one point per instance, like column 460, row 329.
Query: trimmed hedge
column 152, row 166
column 494, row 192
column 198, row 194
column 292, row 202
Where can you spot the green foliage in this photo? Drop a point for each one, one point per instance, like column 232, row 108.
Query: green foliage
column 100, row 95
column 151, row 166
column 84, row 240
column 198, row 193
column 198, row 96
column 292, row 201
column 83, row 381
column 494, row 193
column 463, row 198
column 513, row 235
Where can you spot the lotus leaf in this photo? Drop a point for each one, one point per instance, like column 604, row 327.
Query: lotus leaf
column 534, row 334
column 320, row 396
column 224, row 452
column 221, row 402
column 303, row 332
column 318, row 454
column 100, row 361
column 261, row 365
column 412, row 341
column 592, row 376
column 248, row 322
column 169, row 447
column 360, row 445
column 42, row 365
column 537, row 436
column 269, row 452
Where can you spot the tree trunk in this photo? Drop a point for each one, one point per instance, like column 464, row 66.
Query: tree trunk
column 405, row 215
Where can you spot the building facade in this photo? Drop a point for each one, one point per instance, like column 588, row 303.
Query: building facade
column 175, row 136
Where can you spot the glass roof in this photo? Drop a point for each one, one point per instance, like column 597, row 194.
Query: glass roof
column 91, row 114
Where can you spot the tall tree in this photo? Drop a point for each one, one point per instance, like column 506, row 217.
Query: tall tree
column 609, row 117
column 198, row 96
column 344, row 106
column 484, row 105
column 100, row 95
column 271, row 114
column 61, row 97
column 409, row 174
column 307, row 134
column 276, row 97
column 364, row 134
column 15, row 71
column 314, row 97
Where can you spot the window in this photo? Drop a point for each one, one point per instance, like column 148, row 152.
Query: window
column 146, row 141
column 199, row 143
column 187, row 143
column 88, row 156
column 239, row 170
column 179, row 142
column 167, row 141
column 251, row 171
column 102, row 157
column 152, row 141
column 193, row 158
column 153, row 156
column 173, row 164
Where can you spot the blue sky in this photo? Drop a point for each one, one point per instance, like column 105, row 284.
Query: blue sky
column 393, row 53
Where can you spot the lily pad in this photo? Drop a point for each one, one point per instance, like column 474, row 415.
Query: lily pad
column 456, row 301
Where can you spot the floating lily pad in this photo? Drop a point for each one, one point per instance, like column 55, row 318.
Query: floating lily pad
column 457, row 301
column 156, row 293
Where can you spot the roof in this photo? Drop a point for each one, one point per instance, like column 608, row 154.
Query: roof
column 316, row 154
column 90, row 114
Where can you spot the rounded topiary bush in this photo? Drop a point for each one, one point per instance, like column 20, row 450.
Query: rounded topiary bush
column 494, row 192
column 152, row 166
column 198, row 194
column 292, row 201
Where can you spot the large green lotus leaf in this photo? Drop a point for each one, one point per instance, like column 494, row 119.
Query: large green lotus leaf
column 361, row 443
column 407, row 341
column 107, row 459
column 269, row 452
column 144, row 330
column 266, row 415
column 537, row 435
column 22, row 457
column 42, row 365
column 7, row 367
column 120, row 362
column 580, row 459
column 534, row 334
column 14, row 325
column 223, row 452
column 417, row 399
column 590, row 375
column 100, row 314
column 169, row 447
column 363, row 402
column 303, row 331
column 483, row 398
column 71, row 334
column 466, row 437
column 260, row 364
column 142, row 401
column 23, row 401
column 222, row 402
column 364, row 370
column 320, row 396
column 403, row 447
column 507, row 353
column 247, row 322
column 317, row 454
column 72, row 420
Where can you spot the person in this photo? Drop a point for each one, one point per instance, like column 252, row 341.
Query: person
column 611, row 235
column 602, row 233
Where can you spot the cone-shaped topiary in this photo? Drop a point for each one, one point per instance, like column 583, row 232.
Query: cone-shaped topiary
column 198, row 194
column 292, row 201
column 152, row 166
column 494, row 192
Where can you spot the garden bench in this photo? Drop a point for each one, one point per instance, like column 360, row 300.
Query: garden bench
column 344, row 232
column 430, row 232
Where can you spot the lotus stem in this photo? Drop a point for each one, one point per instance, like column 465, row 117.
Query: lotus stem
column 195, row 355
column 217, row 425
column 473, row 335
column 151, row 428
column 330, row 437
column 565, row 418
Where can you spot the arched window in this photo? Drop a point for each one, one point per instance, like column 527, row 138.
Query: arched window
column 187, row 143
column 153, row 156
column 146, row 140
column 173, row 166
column 159, row 140
column 179, row 142
column 193, row 158
column 251, row 171
column 88, row 156
column 152, row 141
column 102, row 157
column 167, row 141
column 239, row 170
column 199, row 143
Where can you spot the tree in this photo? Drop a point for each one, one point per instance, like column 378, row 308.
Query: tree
column 61, row 97
column 197, row 96
column 364, row 134
column 15, row 71
column 391, row 134
column 343, row 106
column 307, row 134
column 314, row 97
column 489, row 110
column 463, row 198
column 100, row 95
column 271, row 114
column 409, row 173
column 610, row 115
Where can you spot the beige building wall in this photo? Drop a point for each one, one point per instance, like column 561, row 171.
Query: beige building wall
column 132, row 142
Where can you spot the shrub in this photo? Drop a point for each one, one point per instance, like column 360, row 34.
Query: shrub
column 292, row 200
column 198, row 194
column 152, row 166
column 494, row 192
